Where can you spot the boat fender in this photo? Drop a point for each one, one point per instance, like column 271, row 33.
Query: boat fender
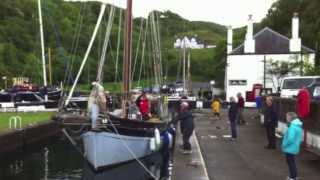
column 170, row 140
column 167, row 140
column 152, row 144
column 157, row 138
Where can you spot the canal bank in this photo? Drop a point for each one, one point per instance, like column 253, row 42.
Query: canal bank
column 15, row 140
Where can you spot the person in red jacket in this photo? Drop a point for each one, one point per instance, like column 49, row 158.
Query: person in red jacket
column 303, row 110
column 144, row 106
column 303, row 103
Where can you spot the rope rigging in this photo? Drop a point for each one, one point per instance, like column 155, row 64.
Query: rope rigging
column 105, row 44
column 118, row 46
column 75, row 45
column 137, row 49
column 143, row 51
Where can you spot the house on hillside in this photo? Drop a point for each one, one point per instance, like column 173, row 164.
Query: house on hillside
column 192, row 43
column 250, row 63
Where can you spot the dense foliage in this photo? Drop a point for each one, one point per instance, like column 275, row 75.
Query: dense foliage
column 67, row 29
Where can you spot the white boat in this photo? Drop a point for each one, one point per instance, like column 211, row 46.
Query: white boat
column 105, row 149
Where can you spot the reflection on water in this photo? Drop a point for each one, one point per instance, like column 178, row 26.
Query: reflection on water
column 58, row 160
column 132, row 171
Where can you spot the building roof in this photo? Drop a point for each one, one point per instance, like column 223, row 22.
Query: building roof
column 268, row 41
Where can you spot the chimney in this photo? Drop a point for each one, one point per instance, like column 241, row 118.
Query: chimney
column 230, row 37
column 249, row 43
column 295, row 41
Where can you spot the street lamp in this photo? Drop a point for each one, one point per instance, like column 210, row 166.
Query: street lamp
column 212, row 83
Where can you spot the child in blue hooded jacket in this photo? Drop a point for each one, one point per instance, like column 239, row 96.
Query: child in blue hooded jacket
column 291, row 143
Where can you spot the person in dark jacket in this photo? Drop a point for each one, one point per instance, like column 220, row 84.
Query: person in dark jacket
column 232, row 112
column 271, row 122
column 186, row 121
column 240, row 109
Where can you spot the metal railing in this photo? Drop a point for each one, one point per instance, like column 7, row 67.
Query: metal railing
column 14, row 121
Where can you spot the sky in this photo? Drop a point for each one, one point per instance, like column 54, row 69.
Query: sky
column 225, row 12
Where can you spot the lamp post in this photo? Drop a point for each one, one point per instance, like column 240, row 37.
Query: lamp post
column 212, row 83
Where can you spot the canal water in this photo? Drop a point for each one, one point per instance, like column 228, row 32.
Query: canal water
column 58, row 160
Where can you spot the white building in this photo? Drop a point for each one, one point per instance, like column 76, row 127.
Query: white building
column 248, row 63
column 192, row 43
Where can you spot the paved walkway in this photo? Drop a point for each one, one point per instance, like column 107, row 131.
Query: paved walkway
column 245, row 159
column 189, row 166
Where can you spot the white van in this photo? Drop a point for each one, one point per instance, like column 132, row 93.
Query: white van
column 290, row 86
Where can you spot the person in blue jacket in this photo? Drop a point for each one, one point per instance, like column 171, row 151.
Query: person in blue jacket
column 291, row 143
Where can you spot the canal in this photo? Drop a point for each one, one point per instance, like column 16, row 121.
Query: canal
column 56, row 159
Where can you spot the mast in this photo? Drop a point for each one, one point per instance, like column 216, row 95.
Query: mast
column 184, row 69
column 42, row 52
column 189, row 74
column 126, row 74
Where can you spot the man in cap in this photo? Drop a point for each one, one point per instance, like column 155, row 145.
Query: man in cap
column 186, row 121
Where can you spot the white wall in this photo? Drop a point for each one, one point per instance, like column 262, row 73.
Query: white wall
column 251, row 69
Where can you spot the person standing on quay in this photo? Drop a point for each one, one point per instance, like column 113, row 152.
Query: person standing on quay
column 232, row 112
column 271, row 122
column 216, row 106
column 186, row 121
column 303, row 110
column 291, row 143
column 240, row 109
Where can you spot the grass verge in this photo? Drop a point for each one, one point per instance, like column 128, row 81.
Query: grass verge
column 27, row 118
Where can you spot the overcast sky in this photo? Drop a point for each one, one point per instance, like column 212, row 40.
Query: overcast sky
column 226, row 12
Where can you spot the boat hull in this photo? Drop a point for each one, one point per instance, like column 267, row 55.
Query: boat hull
column 104, row 149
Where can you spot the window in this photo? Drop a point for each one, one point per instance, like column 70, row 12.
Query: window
column 26, row 98
column 5, row 98
column 297, row 83
column 237, row 82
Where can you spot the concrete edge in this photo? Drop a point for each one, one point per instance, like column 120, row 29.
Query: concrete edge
column 201, row 156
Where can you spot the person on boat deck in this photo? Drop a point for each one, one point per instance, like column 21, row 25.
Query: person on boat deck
column 186, row 118
column 144, row 106
column 96, row 103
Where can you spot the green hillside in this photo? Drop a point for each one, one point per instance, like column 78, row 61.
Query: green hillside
column 67, row 29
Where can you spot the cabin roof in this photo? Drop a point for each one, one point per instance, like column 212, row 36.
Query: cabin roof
column 268, row 41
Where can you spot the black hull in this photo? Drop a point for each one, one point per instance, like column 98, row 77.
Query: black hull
column 136, row 124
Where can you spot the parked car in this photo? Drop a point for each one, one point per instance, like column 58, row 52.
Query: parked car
column 290, row 86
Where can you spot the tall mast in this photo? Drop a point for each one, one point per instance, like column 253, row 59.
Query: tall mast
column 42, row 51
column 184, row 69
column 126, row 75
